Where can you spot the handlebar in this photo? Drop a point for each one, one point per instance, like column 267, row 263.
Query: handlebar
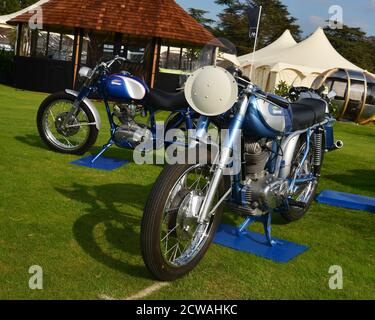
column 108, row 64
column 280, row 101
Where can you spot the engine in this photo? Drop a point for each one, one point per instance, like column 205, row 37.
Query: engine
column 129, row 131
column 262, row 191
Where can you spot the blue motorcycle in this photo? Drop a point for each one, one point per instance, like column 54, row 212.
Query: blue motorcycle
column 280, row 146
column 68, row 122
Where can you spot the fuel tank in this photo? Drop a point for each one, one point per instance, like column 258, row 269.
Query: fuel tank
column 265, row 119
column 125, row 87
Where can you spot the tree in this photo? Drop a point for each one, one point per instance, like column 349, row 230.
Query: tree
column 192, row 54
column 26, row 3
column 234, row 25
column 9, row 6
column 354, row 45
column 200, row 16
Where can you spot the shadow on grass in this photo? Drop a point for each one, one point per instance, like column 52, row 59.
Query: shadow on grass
column 119, row 235
column 36, row 142
column 32, row 140
column 357, row 179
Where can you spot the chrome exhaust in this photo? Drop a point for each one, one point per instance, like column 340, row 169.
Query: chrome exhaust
column 339, row 144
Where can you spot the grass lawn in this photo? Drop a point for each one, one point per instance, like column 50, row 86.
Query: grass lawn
column 82, row 226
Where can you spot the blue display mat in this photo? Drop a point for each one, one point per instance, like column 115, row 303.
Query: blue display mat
column 102, row 163
column 346, row 200
column 255, row 243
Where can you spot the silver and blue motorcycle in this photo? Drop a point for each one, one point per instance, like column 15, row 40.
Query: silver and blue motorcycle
column 280, row 145
column 69, row 122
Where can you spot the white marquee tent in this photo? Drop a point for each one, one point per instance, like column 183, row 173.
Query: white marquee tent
column 284, row 42
column 297, row 64
column 7, row 17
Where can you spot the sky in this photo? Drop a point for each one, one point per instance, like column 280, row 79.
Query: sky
column 310, row 13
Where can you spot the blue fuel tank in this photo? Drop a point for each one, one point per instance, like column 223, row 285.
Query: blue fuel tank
column 126, row 87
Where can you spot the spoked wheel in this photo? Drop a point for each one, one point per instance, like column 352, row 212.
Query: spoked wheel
column 62, row 132
column 304, row 192
column 172, row 240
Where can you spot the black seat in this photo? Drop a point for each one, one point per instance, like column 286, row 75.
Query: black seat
column 307, row 112
column 162, row 100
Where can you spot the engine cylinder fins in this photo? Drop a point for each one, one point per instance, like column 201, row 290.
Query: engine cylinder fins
column 255, row 163
column 256, row 156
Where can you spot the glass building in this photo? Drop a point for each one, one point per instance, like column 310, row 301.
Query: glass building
column 355, row 99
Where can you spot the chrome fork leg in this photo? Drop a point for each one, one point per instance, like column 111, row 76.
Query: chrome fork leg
column 231, row 138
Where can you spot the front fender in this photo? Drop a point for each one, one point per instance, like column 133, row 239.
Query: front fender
column 90, row 105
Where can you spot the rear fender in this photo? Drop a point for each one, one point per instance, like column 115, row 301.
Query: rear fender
column 285, row 161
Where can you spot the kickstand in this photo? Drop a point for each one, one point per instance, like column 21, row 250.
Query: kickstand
column 267, row 223
column 104, row 149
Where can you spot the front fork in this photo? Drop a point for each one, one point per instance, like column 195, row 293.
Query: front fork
column 231, row 137
column 75, row 110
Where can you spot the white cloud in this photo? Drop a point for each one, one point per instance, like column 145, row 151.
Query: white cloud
column 371, row 5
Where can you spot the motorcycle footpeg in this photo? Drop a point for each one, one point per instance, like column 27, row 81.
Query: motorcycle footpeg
column 298, row 204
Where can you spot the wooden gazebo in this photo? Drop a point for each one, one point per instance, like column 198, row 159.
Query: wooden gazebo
column 81, row 32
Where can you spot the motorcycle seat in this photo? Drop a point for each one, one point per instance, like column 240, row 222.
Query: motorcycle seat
column 159, row 99
column 307, row 112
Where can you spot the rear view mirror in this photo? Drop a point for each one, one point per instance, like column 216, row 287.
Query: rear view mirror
column 332, row 94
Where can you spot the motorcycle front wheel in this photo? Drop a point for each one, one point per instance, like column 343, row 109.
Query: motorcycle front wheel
column 172, row 240
column 77, row 136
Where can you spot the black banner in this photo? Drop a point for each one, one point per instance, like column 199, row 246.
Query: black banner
column 253, row 16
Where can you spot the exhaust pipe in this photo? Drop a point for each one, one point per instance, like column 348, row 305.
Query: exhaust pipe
column 339, row 144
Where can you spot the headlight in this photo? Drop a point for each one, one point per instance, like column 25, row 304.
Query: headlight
column 85, row 72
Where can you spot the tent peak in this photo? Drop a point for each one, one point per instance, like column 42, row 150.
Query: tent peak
column 285, row 41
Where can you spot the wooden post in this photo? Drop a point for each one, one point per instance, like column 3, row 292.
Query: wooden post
column 180, row 58
column 47, row 43
column 34, row 34
column 117, row 44
column 167, row 59
column 19, row 39
column 155, row 61
column 77, row 50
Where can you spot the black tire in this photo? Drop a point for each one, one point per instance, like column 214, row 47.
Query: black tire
column 295, row 213
column 93, row 131
column 151, row 227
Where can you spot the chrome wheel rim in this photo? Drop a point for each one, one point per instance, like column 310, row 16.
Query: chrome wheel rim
column 181, row 236
column 71, row 137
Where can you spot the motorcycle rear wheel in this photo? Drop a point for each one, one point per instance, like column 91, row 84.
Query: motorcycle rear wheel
column 296, row 213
